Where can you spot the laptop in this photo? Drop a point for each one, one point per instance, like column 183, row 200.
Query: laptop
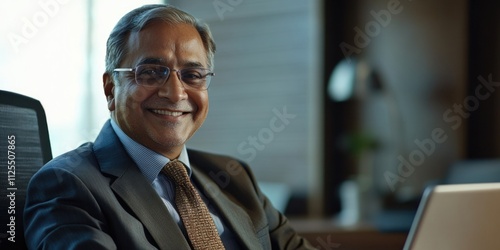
column 456, row 217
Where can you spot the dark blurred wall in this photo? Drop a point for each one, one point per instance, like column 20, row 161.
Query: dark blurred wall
column 420, row 51
column 483, row 135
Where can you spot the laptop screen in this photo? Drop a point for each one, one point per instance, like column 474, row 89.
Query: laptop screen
column 462, row 216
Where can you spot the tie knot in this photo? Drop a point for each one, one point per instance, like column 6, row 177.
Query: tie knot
column 177, row 172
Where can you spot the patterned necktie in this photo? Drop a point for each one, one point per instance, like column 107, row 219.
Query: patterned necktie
column 194, row 213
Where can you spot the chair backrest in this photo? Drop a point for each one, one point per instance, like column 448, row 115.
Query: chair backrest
column 24, row 148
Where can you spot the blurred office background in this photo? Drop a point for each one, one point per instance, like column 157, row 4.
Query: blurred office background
column 423, row 76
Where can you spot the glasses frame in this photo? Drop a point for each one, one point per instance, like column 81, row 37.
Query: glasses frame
column 206, row 77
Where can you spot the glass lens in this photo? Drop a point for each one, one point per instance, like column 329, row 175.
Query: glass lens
column 151, row 75
column 194, row 77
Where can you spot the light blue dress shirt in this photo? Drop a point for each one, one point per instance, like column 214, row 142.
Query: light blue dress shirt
column 150, row 164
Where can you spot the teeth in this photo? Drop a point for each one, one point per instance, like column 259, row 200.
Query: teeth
column 166, row 112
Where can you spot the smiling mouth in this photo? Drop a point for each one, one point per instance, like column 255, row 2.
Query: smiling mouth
column 166, row 112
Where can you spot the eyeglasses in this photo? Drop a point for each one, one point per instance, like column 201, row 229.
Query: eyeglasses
column 151, row 75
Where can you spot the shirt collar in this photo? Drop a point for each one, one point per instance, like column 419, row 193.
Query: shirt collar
column 149, row 162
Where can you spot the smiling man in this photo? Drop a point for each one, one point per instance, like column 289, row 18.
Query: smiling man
column 162, row 111
column 138, row 186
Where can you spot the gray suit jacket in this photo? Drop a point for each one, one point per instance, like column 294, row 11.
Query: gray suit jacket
column 95, row 197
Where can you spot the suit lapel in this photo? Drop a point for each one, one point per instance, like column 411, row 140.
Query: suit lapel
column 149, row 208
column 237, row 219
column 136, row 192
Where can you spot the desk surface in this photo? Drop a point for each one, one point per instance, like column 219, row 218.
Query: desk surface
column 326, row 234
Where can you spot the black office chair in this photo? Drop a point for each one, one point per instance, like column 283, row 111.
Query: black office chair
column 24, row 148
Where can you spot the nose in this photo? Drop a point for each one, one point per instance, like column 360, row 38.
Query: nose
column 173, row 89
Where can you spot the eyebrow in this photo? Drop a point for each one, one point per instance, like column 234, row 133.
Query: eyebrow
column 161, row 61
column 191, row 64
column 150, row 60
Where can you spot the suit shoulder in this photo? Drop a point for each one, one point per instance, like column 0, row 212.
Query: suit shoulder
column 197, row 154
column 212, row 160
column 72, row 160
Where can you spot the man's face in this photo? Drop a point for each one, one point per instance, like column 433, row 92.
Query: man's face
column 160, row 118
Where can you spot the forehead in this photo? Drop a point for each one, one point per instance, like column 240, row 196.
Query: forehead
column 171, row 43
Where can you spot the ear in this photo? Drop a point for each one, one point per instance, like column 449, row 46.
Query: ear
column 109, row 89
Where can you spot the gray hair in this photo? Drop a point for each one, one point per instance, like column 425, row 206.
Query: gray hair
column 137, row 19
